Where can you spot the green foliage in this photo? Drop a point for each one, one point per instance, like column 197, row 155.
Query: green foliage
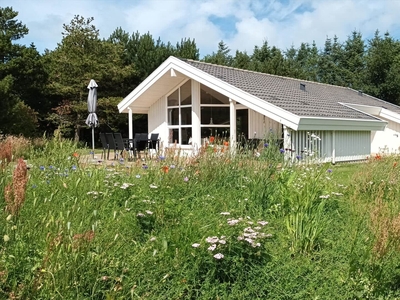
column 130, row 230
column 21, row 77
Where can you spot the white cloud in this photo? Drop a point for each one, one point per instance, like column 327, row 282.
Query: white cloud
column 281, row 23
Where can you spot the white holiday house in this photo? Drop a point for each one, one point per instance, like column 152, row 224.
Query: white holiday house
column 189, row 101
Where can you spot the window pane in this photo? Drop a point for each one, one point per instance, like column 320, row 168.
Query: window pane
column 173, row 116
column 173, row 136
column 186, row 135
column 173, row 99
column 186, row 93
column 219, row 133
column 214, row 115
column 186, row 116
column 209, row 96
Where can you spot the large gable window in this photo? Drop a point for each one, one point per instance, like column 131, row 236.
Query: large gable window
column 180, row 115
column 214, row 114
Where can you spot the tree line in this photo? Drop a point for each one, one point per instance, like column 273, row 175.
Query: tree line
column 43, row 92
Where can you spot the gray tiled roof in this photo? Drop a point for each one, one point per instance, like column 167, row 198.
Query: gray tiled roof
column 318, row 100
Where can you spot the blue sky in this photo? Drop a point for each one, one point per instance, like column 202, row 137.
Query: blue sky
column 241, row 24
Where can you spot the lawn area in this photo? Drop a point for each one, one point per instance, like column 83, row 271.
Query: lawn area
column 211, row 227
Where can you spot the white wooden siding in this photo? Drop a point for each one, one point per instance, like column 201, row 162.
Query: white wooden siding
column 331, row 146
column 157, row 120
column 262, row 126
column 387, row 141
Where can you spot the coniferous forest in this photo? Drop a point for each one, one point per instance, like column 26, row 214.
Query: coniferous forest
column 43, row 92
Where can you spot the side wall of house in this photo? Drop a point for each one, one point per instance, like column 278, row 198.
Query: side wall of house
column 157, row 120
column 331, row 146
column 387, row 141
column 262, row 127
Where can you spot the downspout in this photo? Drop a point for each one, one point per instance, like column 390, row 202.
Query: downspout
column 130, row 124
column 287, row 142
column 333, row 148
column 232, row 126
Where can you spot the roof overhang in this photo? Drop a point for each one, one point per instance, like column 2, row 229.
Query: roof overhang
column 376, row 111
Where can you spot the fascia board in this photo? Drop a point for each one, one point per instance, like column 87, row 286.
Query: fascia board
column 274, row 112
column 146, row 84
column 390, row 115
column 366, row 109
column 340, row 124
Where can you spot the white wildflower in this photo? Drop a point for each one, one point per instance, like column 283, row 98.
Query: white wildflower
column 212, row 247
column 337, row 194
column 152, row 239
column 219, row 256
column 140, row 215
column 195, row 245
column 212, row 240
column 233, row 222
column 223, row 242
column 324, row 196
column 149, row 212
column 152, row 186
column 262, row 223
column 225, row 213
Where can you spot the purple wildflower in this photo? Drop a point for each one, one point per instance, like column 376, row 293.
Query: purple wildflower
column 282, row 150
column 186, row 179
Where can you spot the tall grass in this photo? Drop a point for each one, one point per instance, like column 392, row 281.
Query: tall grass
column 212, row 227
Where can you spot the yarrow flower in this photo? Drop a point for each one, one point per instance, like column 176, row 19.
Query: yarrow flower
column 138, row 176
column 218, row 256
column 232, row 222
column 262, row 223
column 195, row 245
column 212, row 240
column 225, row 213
column 212, row 247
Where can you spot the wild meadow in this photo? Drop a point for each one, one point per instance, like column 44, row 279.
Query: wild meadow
column 217, row 226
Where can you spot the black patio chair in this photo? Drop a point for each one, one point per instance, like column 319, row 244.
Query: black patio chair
column 120, row 145
column 112, row 144
column 154, row 142
column 105, row 145
column 141, row 143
